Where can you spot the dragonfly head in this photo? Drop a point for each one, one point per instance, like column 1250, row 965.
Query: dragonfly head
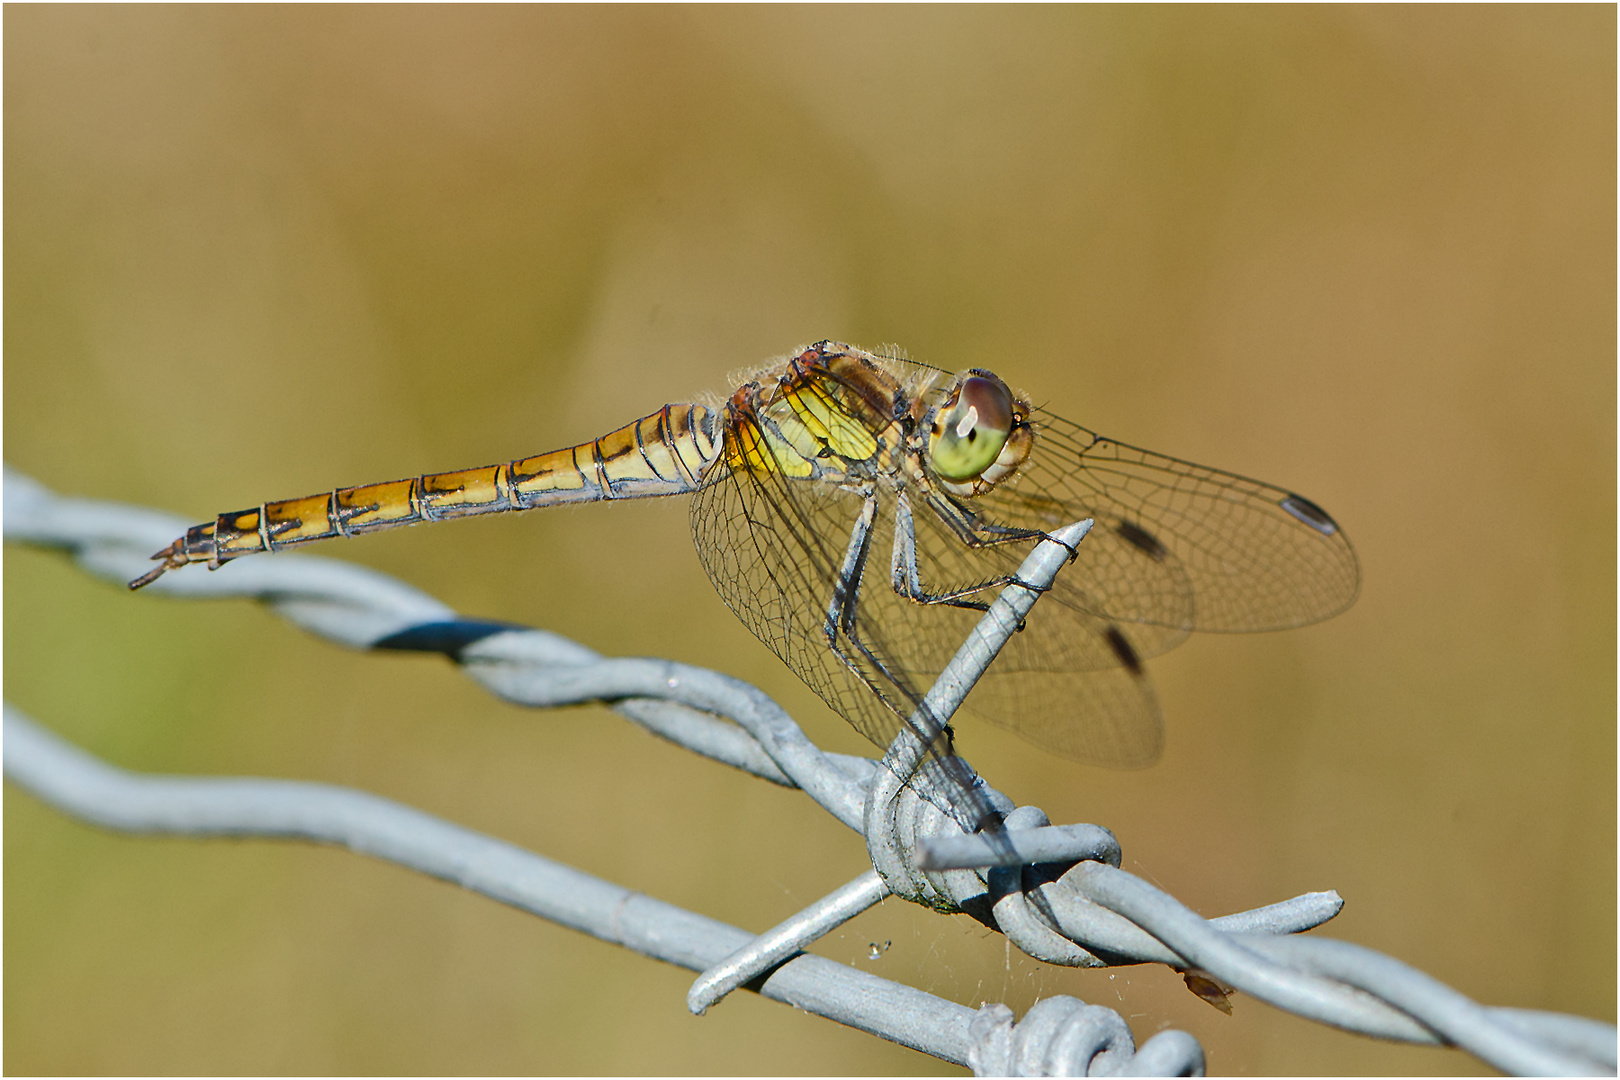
column 979, row 435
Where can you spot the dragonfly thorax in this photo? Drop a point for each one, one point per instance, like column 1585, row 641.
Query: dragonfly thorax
column 837, row 414
column 828, row 415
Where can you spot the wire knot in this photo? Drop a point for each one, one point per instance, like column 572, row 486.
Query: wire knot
column 1036, row 907
column 899, row 815
column 1059, row 1036
column 1016, row 899
column 1012, row 899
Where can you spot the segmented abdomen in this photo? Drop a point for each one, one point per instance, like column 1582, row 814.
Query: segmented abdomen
column 666, row 453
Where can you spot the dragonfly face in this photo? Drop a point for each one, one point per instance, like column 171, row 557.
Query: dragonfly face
column 805, row 466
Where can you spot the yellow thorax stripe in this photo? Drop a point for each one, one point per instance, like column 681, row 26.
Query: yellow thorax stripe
column 831, row 424
column 750, row 447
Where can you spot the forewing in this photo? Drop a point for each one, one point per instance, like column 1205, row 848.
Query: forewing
column 1178, row 545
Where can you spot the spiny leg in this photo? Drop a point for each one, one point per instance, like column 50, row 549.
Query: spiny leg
column 934, row 736
column 840, row 624
column 977, row 533
column 907, row 580
column 842, row 612
column 846, row 590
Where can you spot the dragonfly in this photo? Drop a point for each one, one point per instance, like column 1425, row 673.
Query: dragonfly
column 812, row 460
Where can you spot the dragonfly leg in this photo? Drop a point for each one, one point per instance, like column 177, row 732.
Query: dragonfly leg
column 932, row 736
column 975, row 532
column 906, row 579
column 841, row 611
column 840, row 625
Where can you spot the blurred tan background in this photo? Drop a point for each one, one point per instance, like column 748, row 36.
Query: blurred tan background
column 253, row 253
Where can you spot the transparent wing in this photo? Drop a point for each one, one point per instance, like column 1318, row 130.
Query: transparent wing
column 1177, row 545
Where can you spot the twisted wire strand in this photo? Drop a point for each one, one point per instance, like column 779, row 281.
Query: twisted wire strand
column 81, row 785
column 1086, row 913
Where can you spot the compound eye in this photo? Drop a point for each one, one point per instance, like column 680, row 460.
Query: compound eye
column 970, row 429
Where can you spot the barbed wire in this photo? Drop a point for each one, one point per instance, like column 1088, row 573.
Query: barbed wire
column 1055, row 891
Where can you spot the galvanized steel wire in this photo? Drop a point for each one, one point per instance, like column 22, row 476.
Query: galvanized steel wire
column 1080, row 911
